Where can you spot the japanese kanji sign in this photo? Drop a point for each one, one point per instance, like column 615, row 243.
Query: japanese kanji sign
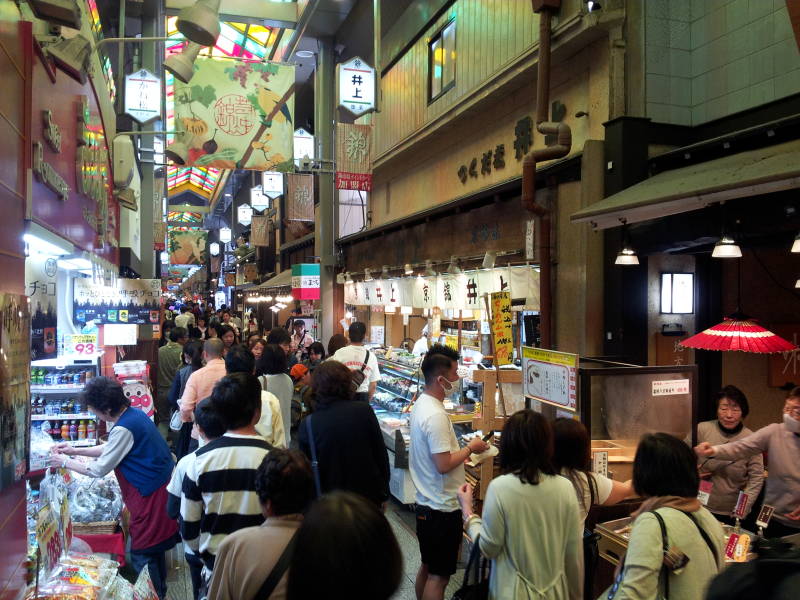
column 130, row 301
column 305, row 281
column 356, row 85
column 501, row 327
column 353, row 162
column 550, row 377
column 40, row 287
column 259, row 231
column 300, row 197
column 143, row 96
column 236, row 115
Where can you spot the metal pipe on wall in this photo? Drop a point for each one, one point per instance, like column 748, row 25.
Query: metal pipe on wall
column 376, row 50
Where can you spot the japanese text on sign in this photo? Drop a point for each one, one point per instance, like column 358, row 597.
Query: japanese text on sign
column 550, row 377
column 356, row 86
column 82, row 344
column 501, row 328
column 670, row 387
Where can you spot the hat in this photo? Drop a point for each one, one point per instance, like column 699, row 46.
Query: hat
column 298, row 371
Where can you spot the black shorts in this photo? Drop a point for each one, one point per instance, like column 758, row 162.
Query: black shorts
column 439, row 535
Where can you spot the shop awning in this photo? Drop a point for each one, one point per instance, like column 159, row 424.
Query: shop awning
column 750, row 173
column 282, row 279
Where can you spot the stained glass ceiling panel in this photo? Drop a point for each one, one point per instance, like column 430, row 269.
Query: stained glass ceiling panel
column 184, row 217
column 201, row 177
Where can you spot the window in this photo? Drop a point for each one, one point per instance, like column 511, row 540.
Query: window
column 442, row 61
column 677, row 293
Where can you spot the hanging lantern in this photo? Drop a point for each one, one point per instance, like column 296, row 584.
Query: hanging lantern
column 739, row 332
column 225, row 235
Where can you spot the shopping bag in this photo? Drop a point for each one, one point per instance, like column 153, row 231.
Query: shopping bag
column 476, row 576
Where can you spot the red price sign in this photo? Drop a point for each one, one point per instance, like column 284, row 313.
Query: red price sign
column 51, row 544
column 82, row 344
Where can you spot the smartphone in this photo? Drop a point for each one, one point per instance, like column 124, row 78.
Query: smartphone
column 488, row 436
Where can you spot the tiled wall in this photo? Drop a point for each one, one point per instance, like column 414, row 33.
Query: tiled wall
column 706, row 59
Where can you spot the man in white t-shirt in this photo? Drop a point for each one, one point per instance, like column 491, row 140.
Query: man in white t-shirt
column 185, row 319
column 357, row 358
column 436, row 464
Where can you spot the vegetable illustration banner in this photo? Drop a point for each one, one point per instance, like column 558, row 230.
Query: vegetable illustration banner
column 236, row 116
column 187, row 247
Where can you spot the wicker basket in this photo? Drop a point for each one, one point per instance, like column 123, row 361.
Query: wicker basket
column 95, row 528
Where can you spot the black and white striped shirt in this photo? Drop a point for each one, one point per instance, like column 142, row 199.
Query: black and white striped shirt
column 219, row 494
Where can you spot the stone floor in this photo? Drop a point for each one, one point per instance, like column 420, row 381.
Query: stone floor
column 402, row 522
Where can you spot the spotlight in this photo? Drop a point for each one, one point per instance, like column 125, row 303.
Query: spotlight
column 796, row 243
column 177, row 152
column 348, row 315
column 454, row 269
column 340, row 279
column 385, row 272
column 429, row 269
column 489, row 259
column 408, row 269
column 72, row 56
column 182, row 65
column 200, row 22
column 627, row 255
column 367, row 275
column 592, row 6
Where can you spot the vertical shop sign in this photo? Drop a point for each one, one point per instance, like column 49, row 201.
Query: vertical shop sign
column 501, row 327
column 356, row 86
column 305, row 281
column 353, row 157
column 259, row 231
column 143, row 96
column 40, row 286
column 15, row 344
column 550, row 377
column 236, row 116
column 300, row 197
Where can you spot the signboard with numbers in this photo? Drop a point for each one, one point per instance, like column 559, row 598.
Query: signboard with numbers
column 670, row 387
column 83, row 345
column 550, row 377
column 501, row 328
column 356, row 86
column 51, row 544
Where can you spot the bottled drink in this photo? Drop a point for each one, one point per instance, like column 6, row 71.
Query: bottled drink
column 82, row 430
column 56, row 431
column 76, row 378
column 91, row 431
column 73, row 431
column 64, row 430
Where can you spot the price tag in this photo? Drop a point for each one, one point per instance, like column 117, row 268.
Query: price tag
column 742, row 548
column 600, row 463
column 730, row 547
column 705, row 492
column 741, row 505
column 66, row 521
column 765, row 515
column 84, row 344
column 448, row 405
column 47, row 535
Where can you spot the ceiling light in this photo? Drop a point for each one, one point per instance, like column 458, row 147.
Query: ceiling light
column 51, row 246
column 304, row 54
column 348, row 315
column 726, row 247
column 453, row 269
column 627, row 256
column 74, row 263
column 367, row 275
column 340, row 278
column 797, row 283
column 796, row 244
column 489, row 259
column 409, row 270
column 385, row 272
column 592, row 5
column 274, row 308
column 200, row 22
column 182, row 65
column 348, row 277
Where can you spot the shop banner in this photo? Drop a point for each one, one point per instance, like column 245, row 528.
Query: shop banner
column 40, row 285
column 501, row 328
column 130, row 301
column 236, row 115
column 299, row 197
column 188, row 247
column 353, row 157
column 259, row 231
column 305, row 281
column 424, row 292
column 550, row 377
column 15, row 365
column 451, row 291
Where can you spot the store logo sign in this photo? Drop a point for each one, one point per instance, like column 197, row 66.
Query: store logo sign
column 47, row 174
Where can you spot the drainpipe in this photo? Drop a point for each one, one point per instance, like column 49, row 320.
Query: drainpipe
column 563, row 144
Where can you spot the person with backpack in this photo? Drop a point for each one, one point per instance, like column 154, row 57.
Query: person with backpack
column 676, row 546
column 361, row 361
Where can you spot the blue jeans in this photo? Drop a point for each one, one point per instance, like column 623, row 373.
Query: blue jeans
column 195, row 571
column 157, row 563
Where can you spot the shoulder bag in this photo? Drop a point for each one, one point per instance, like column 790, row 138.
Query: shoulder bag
column 359, row 376
column 274, row 577
column 476, row 576
column 314, row 461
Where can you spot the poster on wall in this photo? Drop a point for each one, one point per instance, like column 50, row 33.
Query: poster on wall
column 235, row 115
column 187, row 246
column 40, row 286
column 134, row 301
column 15, row 365
column 550, row 377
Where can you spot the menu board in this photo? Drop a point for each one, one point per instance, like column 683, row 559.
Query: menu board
column 550, row 377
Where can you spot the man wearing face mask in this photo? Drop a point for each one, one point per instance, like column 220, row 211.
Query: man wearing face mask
column 781, row 441
column 436, row 464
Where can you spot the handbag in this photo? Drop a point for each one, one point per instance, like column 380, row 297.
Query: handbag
column 314, row 461
column 476, row 576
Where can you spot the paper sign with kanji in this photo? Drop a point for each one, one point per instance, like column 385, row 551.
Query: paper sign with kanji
column 300, row 197
column 502, row 320
column 236, row 115
column 353, row 162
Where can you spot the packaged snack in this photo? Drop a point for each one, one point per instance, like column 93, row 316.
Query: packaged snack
column 143, row 588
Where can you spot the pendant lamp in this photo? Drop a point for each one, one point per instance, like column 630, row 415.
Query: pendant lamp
column 200, row 23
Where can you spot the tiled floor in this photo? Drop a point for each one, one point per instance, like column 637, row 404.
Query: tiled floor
column 402, row 522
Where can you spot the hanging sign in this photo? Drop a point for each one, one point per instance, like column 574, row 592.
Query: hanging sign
column 305, row 281
column 300, row 197
column 143, row 96
column 303, row 144
column 259, row 231
column 236, row 116
column 356, row 86
column 550, row 377
column 272, row 184
column 353, row 157
column 245, row 214
column 501, row 327
column 258, row 199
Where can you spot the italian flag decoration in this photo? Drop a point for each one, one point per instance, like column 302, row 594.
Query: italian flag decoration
column 305, row 281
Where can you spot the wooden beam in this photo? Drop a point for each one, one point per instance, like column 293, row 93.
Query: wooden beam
column 274, row 14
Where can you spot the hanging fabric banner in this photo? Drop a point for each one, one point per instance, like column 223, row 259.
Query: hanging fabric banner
column 349, row 292
column 406, row 290
column 300, row 197
column 522, row 282
column 236, row 115
column 424, row 292
column 187, row 247
column 259, row 231
column 381, row 296
column 451, row 292
column 353, row 157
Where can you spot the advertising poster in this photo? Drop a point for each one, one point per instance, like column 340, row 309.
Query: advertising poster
column 236, row 115
column 15, row 368
column 40, row 286
column 501, row 328
column 550, row 377
column 188, row 247
column 135, row 301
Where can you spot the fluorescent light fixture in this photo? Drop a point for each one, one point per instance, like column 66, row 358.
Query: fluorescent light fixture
column 796, row 244
column 75, row 263
column 304, row 54
column 726, row 247
column 267, row 298
column 253, row 298
column 44, row 242
column 408, row 270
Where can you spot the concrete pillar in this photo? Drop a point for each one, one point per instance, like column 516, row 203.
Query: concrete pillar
column 324, row 99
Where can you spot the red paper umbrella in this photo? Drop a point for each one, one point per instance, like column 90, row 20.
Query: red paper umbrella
column 739, row 332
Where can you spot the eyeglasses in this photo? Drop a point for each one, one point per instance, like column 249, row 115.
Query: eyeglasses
column 734, row 410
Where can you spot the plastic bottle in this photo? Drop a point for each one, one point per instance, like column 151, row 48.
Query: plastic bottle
column 73, row 431
column 91, row 431
column 55, row 431
column 82, row 430
column 65, row 430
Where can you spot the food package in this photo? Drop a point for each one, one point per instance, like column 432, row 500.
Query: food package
column 41, row 444
column 143, row 588
column 63, row 591
column 95, row 499
column 121, row 589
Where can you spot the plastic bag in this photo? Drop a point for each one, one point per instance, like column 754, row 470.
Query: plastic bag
column 95, row 499
column 41, row 443
column 143, row 589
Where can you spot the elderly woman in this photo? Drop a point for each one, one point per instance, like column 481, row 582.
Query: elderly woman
column 142, row 462
column 729, row 477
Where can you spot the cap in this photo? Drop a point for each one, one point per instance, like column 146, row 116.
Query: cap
column 298, row 371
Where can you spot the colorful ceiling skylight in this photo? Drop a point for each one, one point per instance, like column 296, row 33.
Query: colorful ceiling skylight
column 184, row 217
column 204, row 179
column 105, row 62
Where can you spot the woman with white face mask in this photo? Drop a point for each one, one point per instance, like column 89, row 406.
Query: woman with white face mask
column 782, row 443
